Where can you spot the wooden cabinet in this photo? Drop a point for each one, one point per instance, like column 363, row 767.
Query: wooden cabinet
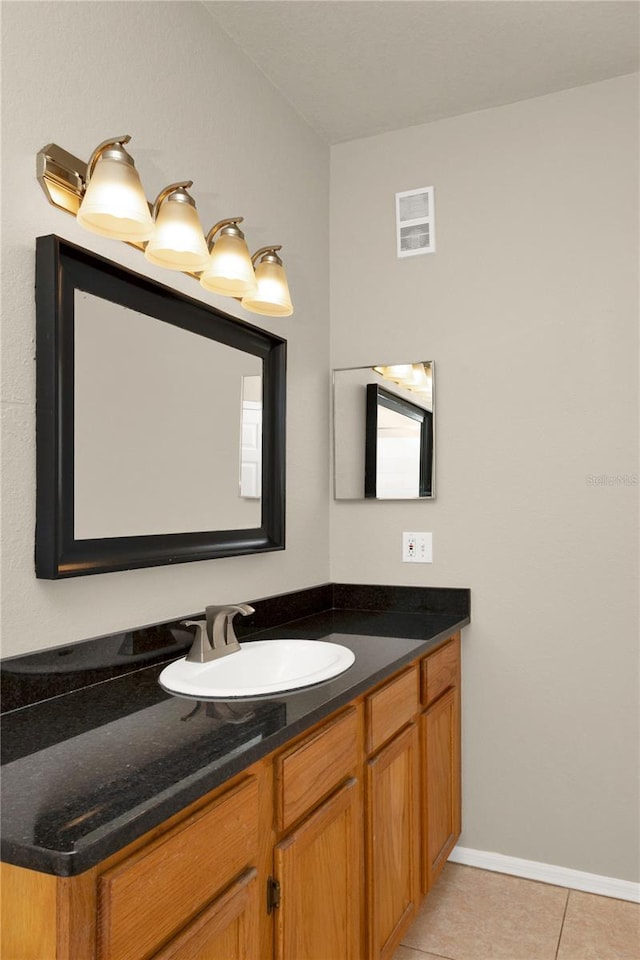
column 226, row 930
column 393, row 847
column 318, row 868
column 147, row 898
column 189, row 889
column 391, row 808
column 351, row 822
column 310, row 770
column 390, row 708
column 440, row 748
column 318, row 863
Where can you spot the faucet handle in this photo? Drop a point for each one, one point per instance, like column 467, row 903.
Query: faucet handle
column 220, row 627
column 200, row 646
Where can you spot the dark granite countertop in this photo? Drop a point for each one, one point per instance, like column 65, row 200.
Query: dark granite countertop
column 91, row 769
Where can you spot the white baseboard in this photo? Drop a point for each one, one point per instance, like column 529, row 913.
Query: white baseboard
column 547, row 873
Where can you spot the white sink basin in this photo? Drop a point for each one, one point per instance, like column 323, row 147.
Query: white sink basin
column 261, row 667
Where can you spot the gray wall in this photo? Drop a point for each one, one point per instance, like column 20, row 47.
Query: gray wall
column 74, row 74
column 529, row 309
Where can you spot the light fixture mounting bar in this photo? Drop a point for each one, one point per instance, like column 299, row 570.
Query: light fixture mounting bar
column 62, row 177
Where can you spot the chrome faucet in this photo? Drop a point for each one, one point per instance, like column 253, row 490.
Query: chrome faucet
column 215, row 636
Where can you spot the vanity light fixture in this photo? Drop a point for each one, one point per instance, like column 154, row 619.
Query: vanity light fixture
column 114, row 204
column 230, row 269
column 107, row 198
column 178, row 240
column 272, row 298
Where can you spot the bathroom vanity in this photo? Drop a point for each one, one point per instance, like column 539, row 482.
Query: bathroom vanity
column 307, row 825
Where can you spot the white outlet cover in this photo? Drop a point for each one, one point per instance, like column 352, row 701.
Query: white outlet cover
column 417, row 547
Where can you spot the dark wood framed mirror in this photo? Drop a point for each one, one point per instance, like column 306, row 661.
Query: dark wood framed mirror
column 160, row 422
column 398, row 447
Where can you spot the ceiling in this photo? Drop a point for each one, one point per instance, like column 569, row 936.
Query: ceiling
column 355, row 68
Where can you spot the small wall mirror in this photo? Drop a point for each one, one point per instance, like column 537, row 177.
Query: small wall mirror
column 160, row 423
column 383, row 432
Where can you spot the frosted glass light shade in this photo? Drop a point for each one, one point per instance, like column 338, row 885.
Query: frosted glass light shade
column 272, row 298
column 114, row 204
column 230, row 271
column 178, row 240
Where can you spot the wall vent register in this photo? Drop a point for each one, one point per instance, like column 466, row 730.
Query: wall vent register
column 415, row 222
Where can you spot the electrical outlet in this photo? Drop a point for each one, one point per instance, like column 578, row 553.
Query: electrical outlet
column 417, row 548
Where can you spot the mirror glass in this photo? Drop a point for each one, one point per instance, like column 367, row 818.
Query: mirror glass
column 149, row 455
column 160, row 422
column 383, row 432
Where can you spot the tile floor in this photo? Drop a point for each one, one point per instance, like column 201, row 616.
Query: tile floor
column 476, row 915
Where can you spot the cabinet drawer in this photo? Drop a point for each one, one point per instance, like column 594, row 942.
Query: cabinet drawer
column 440, row 671
column 391, row 708
column 145, row 899
column 310, row 771
column 227, row 930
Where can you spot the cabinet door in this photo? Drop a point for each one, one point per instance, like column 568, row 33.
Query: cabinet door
column 393, row 849
column 319, row 870
column 227, row 930
column 441, row 783
column 147, row 898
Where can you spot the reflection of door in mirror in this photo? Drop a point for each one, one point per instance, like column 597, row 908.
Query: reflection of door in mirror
column 251, row 438
column 395, row 460
column 398, row 456
column 156, row 426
